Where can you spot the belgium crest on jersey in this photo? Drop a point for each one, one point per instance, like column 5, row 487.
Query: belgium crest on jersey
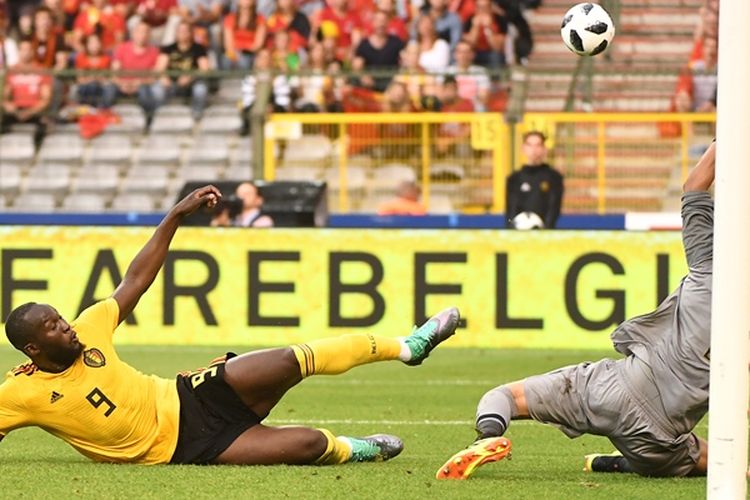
column 94, row 358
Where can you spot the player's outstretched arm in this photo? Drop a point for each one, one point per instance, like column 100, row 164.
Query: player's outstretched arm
column 146, row 264
column 702, row 176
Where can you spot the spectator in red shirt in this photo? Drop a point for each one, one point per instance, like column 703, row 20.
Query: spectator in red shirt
column 340, row 23
column 451, row 101
column 137, row 55
column 27, row 94
column 396, row 137
column 101, row 18
column 366, row 10
column 125, row 8
column 287, row 18
column 485, row 31
column 48, row 48
column 162, row 16
column 95, row 91
column 696, row 87
column 244, row 35
column 396, row 20
column 453, row 138
column 463, row 8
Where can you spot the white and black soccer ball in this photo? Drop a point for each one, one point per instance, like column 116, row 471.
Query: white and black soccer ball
column 528, row 220
column 587, row 29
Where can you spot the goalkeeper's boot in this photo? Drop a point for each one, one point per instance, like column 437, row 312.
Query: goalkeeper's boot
column 601, row 462
column 435, row 330
column 463, row 464
column 375, row 448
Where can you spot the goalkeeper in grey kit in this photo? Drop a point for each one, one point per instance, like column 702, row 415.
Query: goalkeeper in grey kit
column 648, row 402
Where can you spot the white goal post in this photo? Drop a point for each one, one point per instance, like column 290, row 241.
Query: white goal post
column 730, row 320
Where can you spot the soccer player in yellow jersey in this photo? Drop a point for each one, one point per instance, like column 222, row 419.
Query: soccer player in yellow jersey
column 76, row 387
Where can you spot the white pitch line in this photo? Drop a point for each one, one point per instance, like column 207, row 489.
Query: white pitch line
column 348, row 421
column 376, row 382
column 351, row 421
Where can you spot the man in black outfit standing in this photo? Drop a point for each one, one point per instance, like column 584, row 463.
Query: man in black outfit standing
column 536, row 187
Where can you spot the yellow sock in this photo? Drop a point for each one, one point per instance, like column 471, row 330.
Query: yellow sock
column 337, row 452
column 339, row 354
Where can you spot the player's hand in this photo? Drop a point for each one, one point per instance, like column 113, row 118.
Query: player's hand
column 207, row 195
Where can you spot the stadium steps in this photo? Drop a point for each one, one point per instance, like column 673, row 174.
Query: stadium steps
column 103, row 175
column 589, row 204
column 646, row 171
column 636, row 20
column 639, row 172
column 625, row 47
column 638, row 73
column 613, row 103
column 585, row 184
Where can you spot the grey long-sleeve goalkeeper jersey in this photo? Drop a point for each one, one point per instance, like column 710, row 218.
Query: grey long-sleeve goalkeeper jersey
column 675, row 339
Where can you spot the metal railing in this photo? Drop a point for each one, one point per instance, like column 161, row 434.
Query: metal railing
column 606, row 156
column 459, row 156
column 612, row 162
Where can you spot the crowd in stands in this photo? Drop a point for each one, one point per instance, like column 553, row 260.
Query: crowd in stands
column 306, row 50
column 696, row 87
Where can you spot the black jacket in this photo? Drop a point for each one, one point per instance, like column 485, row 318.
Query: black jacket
column 537, row 189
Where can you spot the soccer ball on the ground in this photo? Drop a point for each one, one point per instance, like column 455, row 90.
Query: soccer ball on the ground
column 587, row 29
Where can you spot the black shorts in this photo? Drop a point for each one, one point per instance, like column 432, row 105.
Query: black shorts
column 212, row 415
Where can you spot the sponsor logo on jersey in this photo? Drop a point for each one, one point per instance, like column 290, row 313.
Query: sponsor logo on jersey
column 55, row 397
column 94, row 358
column 544, row 186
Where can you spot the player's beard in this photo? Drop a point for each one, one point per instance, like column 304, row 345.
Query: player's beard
column 68, row 356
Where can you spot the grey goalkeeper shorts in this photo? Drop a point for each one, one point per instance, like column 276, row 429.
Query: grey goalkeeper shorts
column 592, row 398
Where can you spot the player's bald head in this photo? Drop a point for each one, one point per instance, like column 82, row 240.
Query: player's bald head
column 21, row 324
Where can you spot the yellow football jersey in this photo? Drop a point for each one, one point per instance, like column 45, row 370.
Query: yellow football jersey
column 104, row 408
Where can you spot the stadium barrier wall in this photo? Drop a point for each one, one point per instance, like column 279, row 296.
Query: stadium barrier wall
column 612, row 162
column 372, row 221
column 542, row 289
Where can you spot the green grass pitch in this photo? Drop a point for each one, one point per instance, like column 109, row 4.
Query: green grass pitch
column 430, row 407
